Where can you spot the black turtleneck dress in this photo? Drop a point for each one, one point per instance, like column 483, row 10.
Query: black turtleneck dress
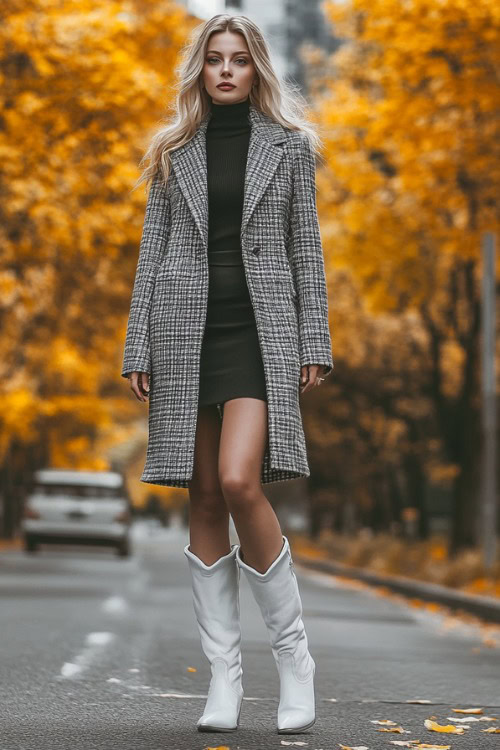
column 231, row 361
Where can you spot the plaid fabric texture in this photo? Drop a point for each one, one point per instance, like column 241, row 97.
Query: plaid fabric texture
column 284, row 267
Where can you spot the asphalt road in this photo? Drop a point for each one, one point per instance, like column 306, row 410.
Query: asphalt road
column 95, row 650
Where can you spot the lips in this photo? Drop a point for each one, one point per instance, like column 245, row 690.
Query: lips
column 226, row 86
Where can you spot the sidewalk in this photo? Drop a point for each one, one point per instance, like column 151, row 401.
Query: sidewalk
column 488, row 608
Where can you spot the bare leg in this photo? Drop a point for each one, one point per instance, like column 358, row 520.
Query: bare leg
column 208, row 513
column 215, row 579
column 242, row 445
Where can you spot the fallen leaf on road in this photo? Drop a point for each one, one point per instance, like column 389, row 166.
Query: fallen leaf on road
column 349, row 747
column 417, row 744
column 398, row 730
column 468, row 710
column 465, row 718
column 219, row 747
column 491, row 730
column 383, row 721
column 490, row 642
column 449, row 728
column 473, row 718
column 191, row 669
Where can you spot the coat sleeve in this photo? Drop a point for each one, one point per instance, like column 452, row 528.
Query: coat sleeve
column 154, row 238
column 307, row 263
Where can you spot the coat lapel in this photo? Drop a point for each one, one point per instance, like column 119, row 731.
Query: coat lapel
column 265, row 150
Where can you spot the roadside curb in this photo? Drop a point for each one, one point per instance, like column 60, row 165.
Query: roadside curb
column 482, row 606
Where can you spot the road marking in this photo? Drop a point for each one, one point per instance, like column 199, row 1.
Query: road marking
column 202, row 695
column 94, row 645
column 115, row 605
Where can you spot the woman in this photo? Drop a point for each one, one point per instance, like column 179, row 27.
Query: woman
column 228, row 326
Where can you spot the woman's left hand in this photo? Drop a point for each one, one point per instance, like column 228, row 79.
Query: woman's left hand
column 310, row 377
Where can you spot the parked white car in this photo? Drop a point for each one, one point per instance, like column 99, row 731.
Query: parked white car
column 78, row 507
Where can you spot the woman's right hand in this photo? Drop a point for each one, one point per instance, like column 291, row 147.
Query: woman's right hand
column 139, row 383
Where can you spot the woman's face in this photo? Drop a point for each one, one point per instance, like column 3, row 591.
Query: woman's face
column 227, row 60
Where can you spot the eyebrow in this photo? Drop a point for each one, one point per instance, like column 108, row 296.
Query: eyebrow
column 241, row 52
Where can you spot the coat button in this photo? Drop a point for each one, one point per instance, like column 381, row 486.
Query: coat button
column 255, row 249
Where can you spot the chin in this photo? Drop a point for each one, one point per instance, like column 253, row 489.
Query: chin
column 222, row 97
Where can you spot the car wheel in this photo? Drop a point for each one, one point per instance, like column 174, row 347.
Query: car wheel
column 30, row 545
column 123, row 548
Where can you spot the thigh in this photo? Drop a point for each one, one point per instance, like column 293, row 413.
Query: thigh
column 205, row 477
column 243, row 439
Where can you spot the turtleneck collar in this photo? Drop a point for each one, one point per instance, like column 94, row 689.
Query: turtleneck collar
column 230, row 114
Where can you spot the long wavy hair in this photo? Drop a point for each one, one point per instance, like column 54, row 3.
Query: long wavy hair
column 272, row 95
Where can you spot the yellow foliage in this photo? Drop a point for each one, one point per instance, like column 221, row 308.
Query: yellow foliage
column 409, row 111
column 82, row 85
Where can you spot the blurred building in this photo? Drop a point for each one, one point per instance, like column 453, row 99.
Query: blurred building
column 287, row 24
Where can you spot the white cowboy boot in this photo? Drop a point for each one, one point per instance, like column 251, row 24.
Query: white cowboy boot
column 277, row 594
column 216, row 604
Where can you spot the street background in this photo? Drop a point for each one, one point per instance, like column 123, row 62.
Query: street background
column 96, row 652
column 402, row 438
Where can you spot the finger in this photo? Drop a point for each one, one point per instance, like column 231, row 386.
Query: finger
column 314, row 371
column 307, row 384
column 144, row 383
column 318, row 376
column 312, row 377
column 304, row 374
column 134, row 385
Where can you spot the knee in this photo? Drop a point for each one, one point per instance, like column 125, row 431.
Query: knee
column 238, row 490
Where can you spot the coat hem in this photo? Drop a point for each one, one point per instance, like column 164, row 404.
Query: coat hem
column 275, row 475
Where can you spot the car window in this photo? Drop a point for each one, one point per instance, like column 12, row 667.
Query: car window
column 77, row 491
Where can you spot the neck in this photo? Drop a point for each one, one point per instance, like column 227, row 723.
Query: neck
column 235, row 111
column 231, row 104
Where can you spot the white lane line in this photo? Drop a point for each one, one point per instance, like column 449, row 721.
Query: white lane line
column 201, row 695
column 115, row 605
column 95, row 643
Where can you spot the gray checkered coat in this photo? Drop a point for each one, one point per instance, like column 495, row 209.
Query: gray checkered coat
column 285, row 273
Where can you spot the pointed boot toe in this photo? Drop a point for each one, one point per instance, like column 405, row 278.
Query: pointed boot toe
column 223, row 706
column 296, row 710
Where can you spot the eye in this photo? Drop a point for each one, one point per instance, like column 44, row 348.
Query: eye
column 239, row 59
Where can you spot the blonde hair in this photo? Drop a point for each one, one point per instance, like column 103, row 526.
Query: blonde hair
column 276, row 97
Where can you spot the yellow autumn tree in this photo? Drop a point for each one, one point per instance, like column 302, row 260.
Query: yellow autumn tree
column 82, row 86
column 409, row 109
